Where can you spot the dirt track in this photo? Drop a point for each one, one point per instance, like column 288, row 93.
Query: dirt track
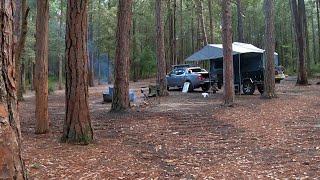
column 186, row 136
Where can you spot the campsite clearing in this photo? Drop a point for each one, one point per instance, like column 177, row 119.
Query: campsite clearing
column 186, row 136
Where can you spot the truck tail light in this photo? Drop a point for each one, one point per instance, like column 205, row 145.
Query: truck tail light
column 200, row 77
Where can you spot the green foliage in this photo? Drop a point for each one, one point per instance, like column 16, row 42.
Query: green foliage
column 105, row 27
column 147, row 63
column 315, row 69
column 52, row 84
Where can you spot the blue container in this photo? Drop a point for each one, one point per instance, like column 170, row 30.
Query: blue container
column 110, row 94
column 131, row 94
column 111, row 90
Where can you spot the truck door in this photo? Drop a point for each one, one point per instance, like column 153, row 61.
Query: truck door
column 180, row 77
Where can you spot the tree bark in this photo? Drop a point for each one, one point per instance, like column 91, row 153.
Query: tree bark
column 61, row 53
column 174, row 32
column 120, row 99
column 240, row 24
column 228, row 94
column 318, row 20
column 298, row 21
column 313, row 34
column 202, row 22
column 41, row 67
column 91, row 56
column 99, row 68
column 161, row 72
column 181, row 58
column 20, row 47
column 269, row 76
column 302, row 12
column 134, row 51
column 77, row 126
column 11, row 163
column 211, row 21
column 192, row 32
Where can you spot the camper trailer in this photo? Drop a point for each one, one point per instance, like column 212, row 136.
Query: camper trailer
column 248, row 64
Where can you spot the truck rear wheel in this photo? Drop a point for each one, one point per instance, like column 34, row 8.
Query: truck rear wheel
column 248, row 88
column 190, row 87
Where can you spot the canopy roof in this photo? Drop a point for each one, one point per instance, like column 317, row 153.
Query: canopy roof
column 214, row 51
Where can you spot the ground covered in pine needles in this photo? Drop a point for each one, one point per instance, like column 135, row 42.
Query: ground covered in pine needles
column 186, row 136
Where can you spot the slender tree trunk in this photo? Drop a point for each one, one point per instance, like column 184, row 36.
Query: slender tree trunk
column 192, row 31
column 61, row 53
column 313, row 34
column 198, row 34
column 91, row 58
column 269, row 76
column 211, row 21
column 77, row 126
column 20, row 48
column 302, row 12
column 41, row 69
column 171, row 37
column 23, row 78
column 134, row 50
column 202, row 22
column 228, row 94
column 318, row 20
column 174, row 31
column 161, row 73
column 98, row 51
column 120, row 99
column 32, row 76
column 181, row 33
column 240, row 26
column 11, row 163
column 298, row 19
column 99, row 68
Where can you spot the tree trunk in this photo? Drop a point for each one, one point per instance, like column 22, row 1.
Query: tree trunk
column 174, row 31
column 211, row 21
column 23, row 77
column 192, row 32
column 302, row 11
column 313, row 34
column 41, row 69
column 20, row 48
column 202, row 23
column 318, row 20
column 99, row 68
column 11, row 163
column 228, row 94
column 161, row 73
column 181, row 58
column 240, row 26
column 120, row 99
column 32, row 76
column 269, row 76
column 298, row 21
column 134, row 51
column 91, row 60
column 77, row 126
column 61, row 53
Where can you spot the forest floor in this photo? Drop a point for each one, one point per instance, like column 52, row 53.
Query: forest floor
column 186, row 136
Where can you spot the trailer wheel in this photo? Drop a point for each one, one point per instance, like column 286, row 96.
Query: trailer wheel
column 260, row 88
column 205, row 88
column 248, row 88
